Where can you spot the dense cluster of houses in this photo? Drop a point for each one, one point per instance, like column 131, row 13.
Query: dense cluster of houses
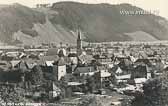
column 130, row 65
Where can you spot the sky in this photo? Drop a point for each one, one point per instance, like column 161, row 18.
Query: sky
column 150, row 5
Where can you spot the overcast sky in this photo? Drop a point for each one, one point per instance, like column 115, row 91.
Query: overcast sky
column 150, row 5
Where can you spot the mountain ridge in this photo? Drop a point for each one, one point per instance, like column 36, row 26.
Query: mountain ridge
column 98, row 23
column 112, row 19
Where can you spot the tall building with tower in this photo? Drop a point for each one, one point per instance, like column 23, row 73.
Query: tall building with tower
column 79, row 43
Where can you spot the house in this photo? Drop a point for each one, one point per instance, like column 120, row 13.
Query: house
column 140, row 71
column 104, row 76
column 160, row 72
column 110, row 50
column 119, row 71
column 111, row 65
column 14, row 63
column 22, row 65
column 49, row 63
column 31, row 63
column 104, row 73
column 85, row 59
column 85, row 70
column 46, row 60
column 123, row 78
column 33, row 56
column 54, row 64
column 4, row 57
column 4, row 65
column 73, row 58
column 142, row 62
column 133, row 59
column 103, row 59
column 120, row 75
column 26, row 64
column 61, row 52
column 12, row 54
column 126, row 65
column 89, row 51
column 139, row 82
column 140, row 75
column 59, row 68
column 54, row 91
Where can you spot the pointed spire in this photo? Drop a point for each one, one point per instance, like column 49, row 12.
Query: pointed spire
column 79, row 33
column 79, row 42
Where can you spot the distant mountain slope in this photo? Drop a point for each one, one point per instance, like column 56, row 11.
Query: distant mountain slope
column 103, row 22
column 47, row 33
column 141, row 36
column 98, row 22
column 30, row 26
column 17, row 17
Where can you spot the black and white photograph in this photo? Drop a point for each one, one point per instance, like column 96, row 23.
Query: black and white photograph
column 83, row 53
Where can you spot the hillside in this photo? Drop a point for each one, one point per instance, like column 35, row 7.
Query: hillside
column 17, row 17
column 20, row 24
column 103, row 22
column 98, row 22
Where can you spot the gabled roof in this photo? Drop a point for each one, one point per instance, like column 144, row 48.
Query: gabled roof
column 14, row 62
column 31, row 63
column 119, row 70
column 26, row 64
column 49, row 63
column 125, row 62
column 22, row 65
column 61, row 52
column 145, row 61
column 166, row 69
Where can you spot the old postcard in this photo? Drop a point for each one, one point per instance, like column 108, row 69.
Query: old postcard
column 83, row 53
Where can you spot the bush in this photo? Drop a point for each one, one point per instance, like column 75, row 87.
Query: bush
column 156, row 91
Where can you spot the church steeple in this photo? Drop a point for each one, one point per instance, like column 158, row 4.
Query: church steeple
column 79, row 43
column 79, row 35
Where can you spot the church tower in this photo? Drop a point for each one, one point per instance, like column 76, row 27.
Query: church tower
column 79, row 43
